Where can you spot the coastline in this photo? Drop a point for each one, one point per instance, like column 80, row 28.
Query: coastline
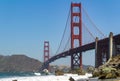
column 64, row 77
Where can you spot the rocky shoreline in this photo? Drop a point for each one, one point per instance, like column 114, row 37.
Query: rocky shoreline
column 109, row 70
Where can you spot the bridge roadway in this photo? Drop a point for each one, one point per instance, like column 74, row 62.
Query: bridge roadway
column 83, row 48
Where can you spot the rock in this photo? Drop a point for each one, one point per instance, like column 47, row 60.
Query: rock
column 107, row 73
column 90, row 69
column 71, row 79
column 118, row 73
column 111, row 75
column 96, row 73
column 109, row 70
column 14, row 80
column 102, row 76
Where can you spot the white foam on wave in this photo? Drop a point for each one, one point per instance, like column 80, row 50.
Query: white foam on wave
column 37, row 74
column 65, row 77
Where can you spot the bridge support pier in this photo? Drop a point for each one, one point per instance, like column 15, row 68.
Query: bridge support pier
column 103, row 52
column 110, row 45
column 98, row 55
column 96, row 48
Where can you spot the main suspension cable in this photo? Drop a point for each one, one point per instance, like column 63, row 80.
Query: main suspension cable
column 93, row 23
column 88, row 31
column 63, row 33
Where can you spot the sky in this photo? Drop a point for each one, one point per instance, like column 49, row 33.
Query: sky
column 26, row 24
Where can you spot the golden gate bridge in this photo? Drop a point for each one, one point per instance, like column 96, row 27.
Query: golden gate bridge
column 83, row 35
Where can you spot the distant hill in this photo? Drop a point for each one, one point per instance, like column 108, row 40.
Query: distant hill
column 19, row 63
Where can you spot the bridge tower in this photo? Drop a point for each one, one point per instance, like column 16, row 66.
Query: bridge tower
column 76, row 23
column 46, row 53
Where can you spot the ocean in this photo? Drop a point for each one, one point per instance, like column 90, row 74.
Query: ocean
column 27, row 76
column 16, row 74
column 9, row 76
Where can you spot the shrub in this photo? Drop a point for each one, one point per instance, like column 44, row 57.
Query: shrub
column 59, row 72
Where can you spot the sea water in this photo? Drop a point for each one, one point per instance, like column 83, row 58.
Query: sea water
column 15, row 74
column 38, row 77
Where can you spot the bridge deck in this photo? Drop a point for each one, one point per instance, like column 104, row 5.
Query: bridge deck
column 84, row 48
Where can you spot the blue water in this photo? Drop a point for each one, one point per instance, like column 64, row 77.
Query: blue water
column 15, row 74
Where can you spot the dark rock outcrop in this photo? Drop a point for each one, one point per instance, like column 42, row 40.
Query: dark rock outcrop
column 19, row 63
column 109, row 70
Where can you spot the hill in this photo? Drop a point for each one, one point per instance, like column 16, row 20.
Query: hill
column 19, row 63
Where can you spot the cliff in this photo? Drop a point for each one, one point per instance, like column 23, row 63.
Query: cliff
column 19, row 63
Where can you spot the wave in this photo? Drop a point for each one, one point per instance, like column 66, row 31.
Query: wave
column 37, row 74
column 49, row 78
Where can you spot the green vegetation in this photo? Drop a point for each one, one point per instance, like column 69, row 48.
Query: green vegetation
column 59, row 72
column 75, row 71
column 78, row 71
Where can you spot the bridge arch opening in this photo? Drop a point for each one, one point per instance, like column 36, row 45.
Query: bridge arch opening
column 89, row 57
column 76, row 43
column 104, row 58
column 76, row 19
column 76, row 9
column 76, row 30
